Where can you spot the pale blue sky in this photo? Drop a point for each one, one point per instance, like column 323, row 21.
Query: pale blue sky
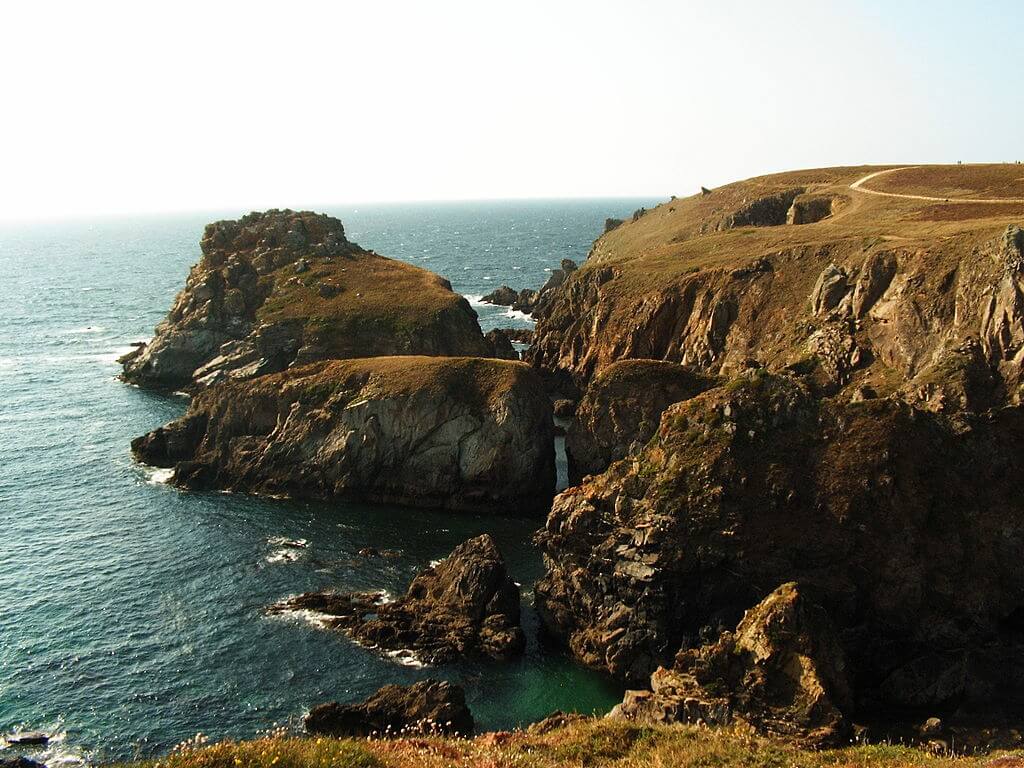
column 117, row 107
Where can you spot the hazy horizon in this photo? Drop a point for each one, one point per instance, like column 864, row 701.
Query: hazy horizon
column 121, row 109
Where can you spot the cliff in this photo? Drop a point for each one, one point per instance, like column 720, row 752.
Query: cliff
column 919, row 297
column 461, row 433
column 621, row 409
column 905, row 525
column 281, row 288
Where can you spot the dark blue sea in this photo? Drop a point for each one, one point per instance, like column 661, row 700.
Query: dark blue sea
column 131, row 613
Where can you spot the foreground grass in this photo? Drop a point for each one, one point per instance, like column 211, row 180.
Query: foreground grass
column 583, row 744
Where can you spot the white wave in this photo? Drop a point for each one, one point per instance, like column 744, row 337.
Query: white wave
column 313, row 618
column 384, row 597
column 515, row 314
column 286, row 555
column 406, row 657
column 284, row 541
column 111, row 357
column 477, row 301
column 56, row 751
column 158, row 475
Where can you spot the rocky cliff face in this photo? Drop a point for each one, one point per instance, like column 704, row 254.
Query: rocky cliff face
column 460, row 433
column 467, row 605
column 901, row 296
column 782, row 670
column 906, row 526
column 621, row 410
column 282, row 288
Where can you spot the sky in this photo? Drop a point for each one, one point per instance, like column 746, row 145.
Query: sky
column 130, row 107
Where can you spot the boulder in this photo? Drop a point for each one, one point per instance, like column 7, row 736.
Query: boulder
column 426, row 708
column 783, row 671
column 458, row 433
column 278, row 288
column 831, row 288
column 621, row 409
column 465, row 606
column 610, row 224
column 503, row 296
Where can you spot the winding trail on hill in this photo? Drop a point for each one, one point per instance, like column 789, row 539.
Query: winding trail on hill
column 858, row 185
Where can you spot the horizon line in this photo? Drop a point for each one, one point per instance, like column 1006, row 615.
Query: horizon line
column 314, row 207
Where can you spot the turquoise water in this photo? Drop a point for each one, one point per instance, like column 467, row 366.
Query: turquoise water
column 131, row 614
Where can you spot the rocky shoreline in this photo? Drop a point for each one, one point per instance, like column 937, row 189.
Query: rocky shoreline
column 794, row 434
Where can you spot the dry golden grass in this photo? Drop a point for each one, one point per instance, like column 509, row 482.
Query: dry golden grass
column 367, row 286
column 671, row 244
column 1005, row 180
column 468, row 379
column 582, row 744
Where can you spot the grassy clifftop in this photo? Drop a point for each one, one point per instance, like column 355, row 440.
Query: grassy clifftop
column 585, row 743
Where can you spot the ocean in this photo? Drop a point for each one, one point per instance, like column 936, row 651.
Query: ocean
column 132, row 613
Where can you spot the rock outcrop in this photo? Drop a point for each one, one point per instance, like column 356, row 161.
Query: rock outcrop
column 621, row 410
column 503, row 296
column 879, row 293
column 429, row 707
column 783, row 671
column 467, row 605
column 905, row 526
column 459, row 433
column 281, row 288
column 528, row 300
column 810, row 209
column 768, row 211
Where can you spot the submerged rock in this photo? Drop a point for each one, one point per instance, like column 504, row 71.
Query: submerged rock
column 20, row 761
column 282, row 288
column 27, row 738
column 466, row 605
column 459, row 433
column 425, row 708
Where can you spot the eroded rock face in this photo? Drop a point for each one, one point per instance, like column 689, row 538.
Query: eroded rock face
column 782, row 670
column 906, row 529
column 811, row 208
column 283, row 288
column 460, row 433
column 621, row 410
column 768, row 211
column 872, row 296
column 467, row 605
column 426, row 708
